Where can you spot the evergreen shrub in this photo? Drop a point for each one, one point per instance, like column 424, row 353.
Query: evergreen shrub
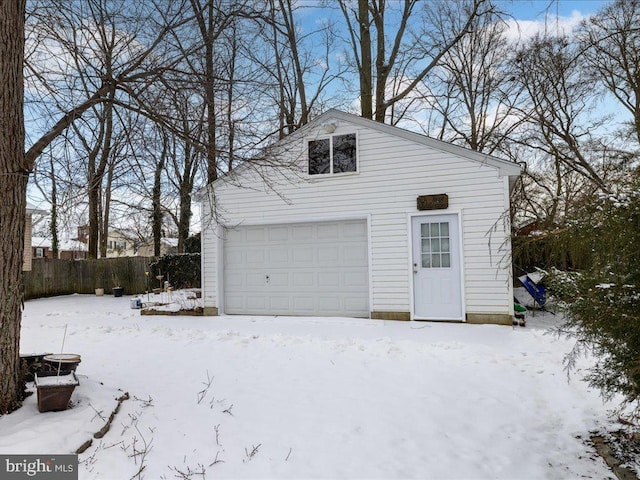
column 180, row 270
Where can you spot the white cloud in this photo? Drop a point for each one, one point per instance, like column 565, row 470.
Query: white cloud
column 522, row 30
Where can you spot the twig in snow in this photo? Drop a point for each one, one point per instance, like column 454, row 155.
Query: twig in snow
column 228, row 410
column 145, row 403
column 251, row 454
column 215, row 460
column 189, row 474
column 288, row 454
column 141, row 453
column 217, row 429
column 98, row 413
column 203, row 393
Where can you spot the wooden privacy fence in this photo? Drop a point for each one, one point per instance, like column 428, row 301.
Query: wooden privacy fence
column 49, row 277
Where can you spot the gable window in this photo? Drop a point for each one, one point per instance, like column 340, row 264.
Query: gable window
column 336, row 154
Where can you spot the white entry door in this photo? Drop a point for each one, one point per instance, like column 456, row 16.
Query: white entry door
column 437, row 273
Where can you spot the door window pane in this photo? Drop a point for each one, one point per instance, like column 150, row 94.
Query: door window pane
column 435, row 245
column 426, row 245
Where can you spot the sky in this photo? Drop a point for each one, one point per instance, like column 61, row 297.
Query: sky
column 535, row 9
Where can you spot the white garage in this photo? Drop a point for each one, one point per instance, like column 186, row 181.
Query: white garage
column 297, row 269
column 350, row 217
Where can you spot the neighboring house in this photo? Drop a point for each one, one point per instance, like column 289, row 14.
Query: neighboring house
column 376, row 222
column 167, row 246
column 71, row 249
column 41, row 248
column 28, row 228
column 120, row 244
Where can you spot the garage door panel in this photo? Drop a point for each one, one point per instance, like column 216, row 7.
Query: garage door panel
column 302, row 232
column 234, row 236
column 235, row 302
column 302, row 256
column 329, row 280
column 297, row 269
column 329, row 255
column 278, row 255
column 255, row 256
column 256, row 303
column 355, row 279
column 254, row 280
column 328, row 231
column 304, row 304
column 280, row 303
column 355, row 255
column 304, row 279
column 355, row 230
column 254, row 234
column 278, row 234
column 278, row 280
column 354, row 304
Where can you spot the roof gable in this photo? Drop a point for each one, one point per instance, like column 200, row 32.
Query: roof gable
column 505, row 167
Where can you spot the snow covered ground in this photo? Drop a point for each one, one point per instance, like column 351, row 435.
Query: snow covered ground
column 265, row 397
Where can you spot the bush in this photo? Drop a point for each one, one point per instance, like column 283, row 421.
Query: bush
column 602, row 305
column 181, row 271
column 192, row 244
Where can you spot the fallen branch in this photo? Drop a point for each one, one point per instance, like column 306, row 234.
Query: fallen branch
column 103, row 431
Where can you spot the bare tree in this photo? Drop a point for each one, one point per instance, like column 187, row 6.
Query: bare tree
column 558, row 116
column 183, row 159
column 474, row 89
column 611, row 43
column 94, row 55
column 296, row 67
column 408, row 42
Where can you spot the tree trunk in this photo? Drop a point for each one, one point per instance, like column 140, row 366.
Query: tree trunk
column 184, row 219
column 14, row 174
column 106, row 209
column 156, row 215
column 366, row 77
column 210, row 98
column 54, row 211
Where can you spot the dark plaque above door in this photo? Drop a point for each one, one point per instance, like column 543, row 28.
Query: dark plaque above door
column 433, row 202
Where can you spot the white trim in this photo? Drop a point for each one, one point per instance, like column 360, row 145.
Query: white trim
column 462, row 276
column 507, row 204
column 433, row 213
column 219, row 239
column 330, row 137
column 370, row 261
column 203, row 283
column 299, row 219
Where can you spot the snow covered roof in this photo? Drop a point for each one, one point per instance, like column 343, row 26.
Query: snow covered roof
column 63, row 244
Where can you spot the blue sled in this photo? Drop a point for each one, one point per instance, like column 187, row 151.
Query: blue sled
column 538, row 292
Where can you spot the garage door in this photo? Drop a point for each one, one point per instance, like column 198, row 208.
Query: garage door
column 297, row 269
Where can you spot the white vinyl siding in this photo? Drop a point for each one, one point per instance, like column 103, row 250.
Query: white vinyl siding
column 392, row 173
